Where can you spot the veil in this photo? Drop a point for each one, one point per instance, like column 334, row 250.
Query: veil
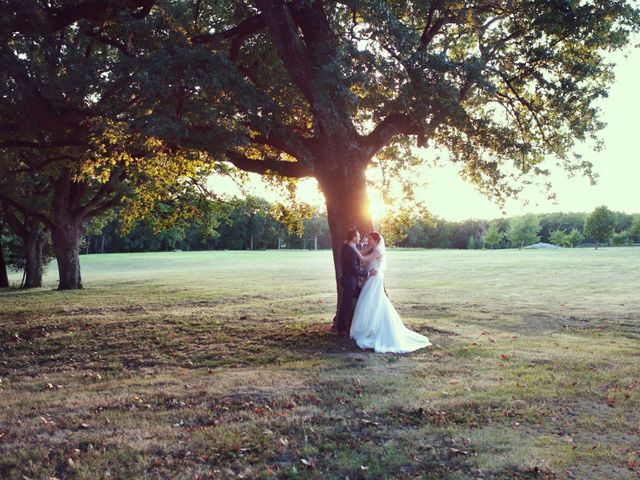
column 382, row 250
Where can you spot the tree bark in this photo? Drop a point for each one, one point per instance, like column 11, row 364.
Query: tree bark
column 66, row 246
column 67, row 215
column 4, row 278
column 345, row 192
column 31, row 230
column 33, row 244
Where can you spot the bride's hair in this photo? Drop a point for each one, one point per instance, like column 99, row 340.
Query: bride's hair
column 376, row 236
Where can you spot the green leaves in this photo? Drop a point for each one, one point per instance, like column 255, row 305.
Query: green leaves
column 524, row 230
column 599, row 225
column 500, row 86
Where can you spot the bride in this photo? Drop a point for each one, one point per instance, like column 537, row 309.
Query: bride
column 376, row 324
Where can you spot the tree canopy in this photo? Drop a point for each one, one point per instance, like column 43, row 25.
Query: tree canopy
column 310, row 88
column 524, row 230
column 600, row 224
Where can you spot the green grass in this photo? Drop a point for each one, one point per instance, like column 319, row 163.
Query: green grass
column 221, row 365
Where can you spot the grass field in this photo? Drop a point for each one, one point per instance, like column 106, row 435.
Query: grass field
column 221, row 365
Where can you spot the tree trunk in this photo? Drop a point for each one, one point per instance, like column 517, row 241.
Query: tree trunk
column 66, row 246
column 347, row 209
column 4, row 278
column 33, row 244
column 31, row 231
column 67, row 228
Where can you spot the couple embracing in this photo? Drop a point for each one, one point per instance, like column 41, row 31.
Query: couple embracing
column 375, row 324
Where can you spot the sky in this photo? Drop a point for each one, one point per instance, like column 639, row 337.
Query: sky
column 447, row 196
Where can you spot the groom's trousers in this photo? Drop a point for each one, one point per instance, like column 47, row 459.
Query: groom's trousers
column 349, row 286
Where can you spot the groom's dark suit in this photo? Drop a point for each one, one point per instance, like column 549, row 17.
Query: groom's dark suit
column 351, row 270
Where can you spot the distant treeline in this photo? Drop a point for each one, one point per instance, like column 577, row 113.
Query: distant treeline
column 240, row 224
column 249, row 224
column 601, row 226
column 253, row 224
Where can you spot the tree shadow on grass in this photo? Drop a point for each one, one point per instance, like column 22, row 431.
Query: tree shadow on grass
column 120, row 338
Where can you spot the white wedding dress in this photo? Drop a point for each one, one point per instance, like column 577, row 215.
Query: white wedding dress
column 376, row 324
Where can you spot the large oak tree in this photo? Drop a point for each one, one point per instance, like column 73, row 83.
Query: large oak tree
column 321, row 87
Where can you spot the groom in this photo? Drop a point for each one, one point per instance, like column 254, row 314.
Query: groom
column 350, row 266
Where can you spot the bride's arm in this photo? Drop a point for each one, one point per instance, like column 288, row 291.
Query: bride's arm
column 368, row 256
column 360, row 256
column 373, row 254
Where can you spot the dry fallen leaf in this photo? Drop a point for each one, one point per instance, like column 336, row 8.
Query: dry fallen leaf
column 456, row 451
column 369, row 422
column 311, row 462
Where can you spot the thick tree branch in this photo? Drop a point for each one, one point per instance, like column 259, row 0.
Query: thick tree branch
column 285, row 169
column 103, row 206
column 14, row 222
column 287, row 141
column 76, row 192
column 316, row 30
column 290, row 144
column 429, row 33
column 293, row 53
column 25, row 209
column 394, row 124
column 97, row 201
column 110, row 41
column 95, row 10
column 141, row 8
column 312, row 20
column 237, row 36
column 239, row 33
column 61, row 191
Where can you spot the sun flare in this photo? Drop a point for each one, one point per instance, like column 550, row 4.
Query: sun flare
column 377, row 207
